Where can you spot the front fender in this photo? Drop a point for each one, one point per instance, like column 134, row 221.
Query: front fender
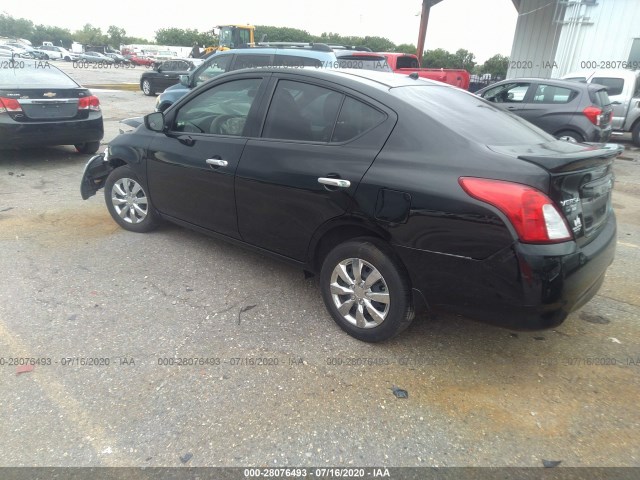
column 95, row 173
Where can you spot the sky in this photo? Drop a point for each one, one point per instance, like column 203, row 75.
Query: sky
column 484, row 27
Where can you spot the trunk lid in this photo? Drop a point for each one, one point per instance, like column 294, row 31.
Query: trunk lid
column 38, row 104
column 581, row 181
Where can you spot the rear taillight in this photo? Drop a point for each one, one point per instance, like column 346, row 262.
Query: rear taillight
column 89, row 103
column 595, row 115
column 10, row 105
column 533, row 214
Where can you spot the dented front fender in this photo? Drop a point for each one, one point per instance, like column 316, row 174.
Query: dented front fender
column 94, row 176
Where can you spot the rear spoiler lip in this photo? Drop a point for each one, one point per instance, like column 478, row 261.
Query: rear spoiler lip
column 570, row 162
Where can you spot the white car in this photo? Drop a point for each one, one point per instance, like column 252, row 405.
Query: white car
column 57, row 53
column 9, row 50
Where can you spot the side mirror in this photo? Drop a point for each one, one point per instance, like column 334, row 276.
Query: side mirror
column 184, row 80
column 154, row 121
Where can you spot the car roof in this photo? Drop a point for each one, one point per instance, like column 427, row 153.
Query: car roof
column 375, row 79
column 293, row 51
column 549, row 81
column 611, row 73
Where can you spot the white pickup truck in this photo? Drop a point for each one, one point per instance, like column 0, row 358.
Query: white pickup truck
column 624, row 91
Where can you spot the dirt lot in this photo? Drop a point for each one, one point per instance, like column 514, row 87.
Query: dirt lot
column 75, row 286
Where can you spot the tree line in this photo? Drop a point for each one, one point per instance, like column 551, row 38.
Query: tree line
column 115, row 36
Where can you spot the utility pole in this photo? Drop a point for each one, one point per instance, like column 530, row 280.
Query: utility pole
column 424, row 20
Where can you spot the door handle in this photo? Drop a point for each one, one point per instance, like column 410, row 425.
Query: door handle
column 334, row 182
column 217, row 162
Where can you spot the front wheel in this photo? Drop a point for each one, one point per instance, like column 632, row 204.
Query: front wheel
column 366, row 290
column 147, row 89
column 127, row 201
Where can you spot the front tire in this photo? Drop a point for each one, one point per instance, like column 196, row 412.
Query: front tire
column 147, row 89
column 128, row 202
column 366, row 290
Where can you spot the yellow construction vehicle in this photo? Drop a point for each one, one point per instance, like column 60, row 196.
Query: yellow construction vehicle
column 233, row 36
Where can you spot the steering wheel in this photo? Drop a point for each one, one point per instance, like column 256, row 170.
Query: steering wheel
column 217, row 124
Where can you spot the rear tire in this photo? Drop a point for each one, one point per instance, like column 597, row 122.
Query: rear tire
column 127, row 201
column 635, row 134
column 366, row 290
column 570, row 134
column 87, row 147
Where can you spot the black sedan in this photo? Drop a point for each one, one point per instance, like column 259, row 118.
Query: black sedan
column 41, row 106
column 399, row 192
column 164, row 75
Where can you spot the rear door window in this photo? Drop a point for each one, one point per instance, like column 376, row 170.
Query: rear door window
column 552, row 94
column 355, row 118
column 301, row 111
column 613, row 84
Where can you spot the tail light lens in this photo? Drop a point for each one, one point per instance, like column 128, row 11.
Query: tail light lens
column 9, row 105
column 89, row 103
column 595, row 115
column 533, row 215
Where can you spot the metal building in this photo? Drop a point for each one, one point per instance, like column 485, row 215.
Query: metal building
column 555, row 37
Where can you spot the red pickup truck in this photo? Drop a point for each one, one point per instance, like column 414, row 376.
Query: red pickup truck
column 408, row 64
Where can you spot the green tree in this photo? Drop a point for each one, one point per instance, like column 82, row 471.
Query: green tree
column 184, row 37
column 406, row 48
column 90, row 35
column 15, row 27
column 438, row 58
column 464, row 59
column 497, row 66
column 281, row 34
column 116, row 35
column 56, row 35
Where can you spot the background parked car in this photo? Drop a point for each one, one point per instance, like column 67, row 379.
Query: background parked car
column 282, row 55
column 11, row 51
column 623, row 87
column 392, row 189
column 41, row 106
column 94, row 57
column 164, row 75
column 560, row 107
column 58, row 53
column 117, row 58
column 140, row 60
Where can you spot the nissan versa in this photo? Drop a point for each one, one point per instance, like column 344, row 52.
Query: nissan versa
column 400, row 192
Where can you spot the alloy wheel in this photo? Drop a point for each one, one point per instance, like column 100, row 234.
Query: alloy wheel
column 360, row 293
column 129, row 200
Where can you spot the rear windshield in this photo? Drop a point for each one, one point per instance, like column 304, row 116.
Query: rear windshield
column 472, row 116
column 407, row 62
column 614, row 85
column 362, row 62
column 30, row 74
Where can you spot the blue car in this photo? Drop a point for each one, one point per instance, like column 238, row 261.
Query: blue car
column 275, row 55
